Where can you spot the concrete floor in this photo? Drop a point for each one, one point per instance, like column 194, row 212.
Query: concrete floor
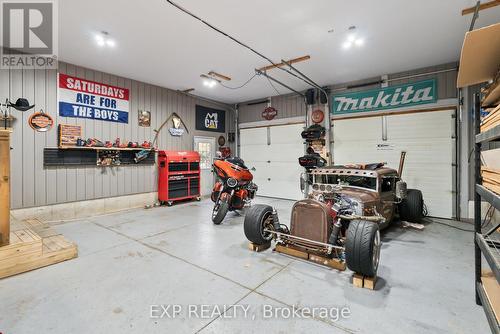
column 175, row 255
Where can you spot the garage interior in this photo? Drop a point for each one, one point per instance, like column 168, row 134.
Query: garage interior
column 211, row 167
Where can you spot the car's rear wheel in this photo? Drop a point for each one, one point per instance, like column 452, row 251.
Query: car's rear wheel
column 256, row 219
column 362, row 248
column 412, row 207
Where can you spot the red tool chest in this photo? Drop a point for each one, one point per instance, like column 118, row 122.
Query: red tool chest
column 178, row 176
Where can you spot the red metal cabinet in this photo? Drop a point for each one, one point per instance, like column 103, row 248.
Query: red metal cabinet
column 178, row 176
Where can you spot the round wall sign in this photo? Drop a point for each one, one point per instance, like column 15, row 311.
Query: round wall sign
column 317, row 116
column 269, row 113
column 221, row 141
column 40, row 121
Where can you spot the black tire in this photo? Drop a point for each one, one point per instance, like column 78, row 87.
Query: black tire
column 412, row 207
column 254, row 224
column 219, row 212
column 362, row 247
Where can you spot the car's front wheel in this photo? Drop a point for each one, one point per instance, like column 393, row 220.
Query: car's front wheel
column 256, row 219
column 362, row 248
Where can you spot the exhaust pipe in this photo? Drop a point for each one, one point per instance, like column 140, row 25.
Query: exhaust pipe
column 401, row 163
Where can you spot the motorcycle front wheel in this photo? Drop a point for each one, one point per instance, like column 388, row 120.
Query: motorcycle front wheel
column 220, row 210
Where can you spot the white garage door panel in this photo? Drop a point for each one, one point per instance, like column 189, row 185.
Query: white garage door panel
column 260, row 153
column 350, row 129
column 427, row 139
column 287, row 152
column 283, row 189
column 346, row 152
column 420, row 125
column 254, row 136
column 277, row 170
column 287, row 134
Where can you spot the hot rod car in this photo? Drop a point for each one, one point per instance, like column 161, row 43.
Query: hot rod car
column 338, row 222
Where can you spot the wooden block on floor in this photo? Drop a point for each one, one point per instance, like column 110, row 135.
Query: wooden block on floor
column 357, row 280
column 258, row 248
column 28, row 250
column 369, row 282
column 366, row 282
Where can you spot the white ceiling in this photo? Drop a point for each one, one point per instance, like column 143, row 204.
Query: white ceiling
column 158, row 44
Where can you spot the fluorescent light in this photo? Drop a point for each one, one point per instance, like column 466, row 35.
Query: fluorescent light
column 351, row 38
column 359, row 42
column 347, row 45
column 110, row 43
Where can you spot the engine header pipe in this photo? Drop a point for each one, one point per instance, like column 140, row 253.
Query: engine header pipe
column 401, row 163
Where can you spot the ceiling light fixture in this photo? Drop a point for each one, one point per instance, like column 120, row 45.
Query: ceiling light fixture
column 352, row 39
column 102, row 39
column 209, row 81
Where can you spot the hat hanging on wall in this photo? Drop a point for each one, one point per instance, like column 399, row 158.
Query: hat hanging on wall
column 21, row 104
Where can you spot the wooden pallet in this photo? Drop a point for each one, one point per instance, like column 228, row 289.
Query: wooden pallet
column 332, row 263
column 366, row 282
column 33, row 245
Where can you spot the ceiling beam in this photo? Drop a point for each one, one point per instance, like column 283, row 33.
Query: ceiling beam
column 220, row 76
column 291, row 61
column 482, row 6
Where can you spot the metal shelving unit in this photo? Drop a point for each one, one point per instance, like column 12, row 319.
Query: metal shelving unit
column 486, row 243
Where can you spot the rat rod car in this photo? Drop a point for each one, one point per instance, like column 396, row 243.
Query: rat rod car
column 338, row 222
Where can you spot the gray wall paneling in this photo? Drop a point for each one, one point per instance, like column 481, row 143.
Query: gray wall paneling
column 33, row 185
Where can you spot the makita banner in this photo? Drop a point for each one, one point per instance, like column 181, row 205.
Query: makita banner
column 88, row 99
column 393, row 97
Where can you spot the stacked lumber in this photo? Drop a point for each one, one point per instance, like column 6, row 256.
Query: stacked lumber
column 492, row 119
column 491, row 92
column 491, row 179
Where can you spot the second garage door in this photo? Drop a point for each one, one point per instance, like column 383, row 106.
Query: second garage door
column 273, row 152
column 428, row 139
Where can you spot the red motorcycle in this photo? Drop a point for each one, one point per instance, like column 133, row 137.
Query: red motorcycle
column 233, row 188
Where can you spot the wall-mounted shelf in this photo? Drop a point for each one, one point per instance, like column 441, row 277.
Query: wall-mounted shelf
column 88, row 156
column 93, row 148
column 490, row 135
column 486, row 240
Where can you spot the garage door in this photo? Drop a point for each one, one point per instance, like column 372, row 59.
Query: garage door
column 427, row 138
column 273, row 152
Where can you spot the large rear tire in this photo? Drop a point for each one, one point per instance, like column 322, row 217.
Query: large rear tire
column 362, row 248
column 412, row 207
column 219, row 212
column 255, row 219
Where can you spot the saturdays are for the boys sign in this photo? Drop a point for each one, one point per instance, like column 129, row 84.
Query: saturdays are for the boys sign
column 89, row 99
